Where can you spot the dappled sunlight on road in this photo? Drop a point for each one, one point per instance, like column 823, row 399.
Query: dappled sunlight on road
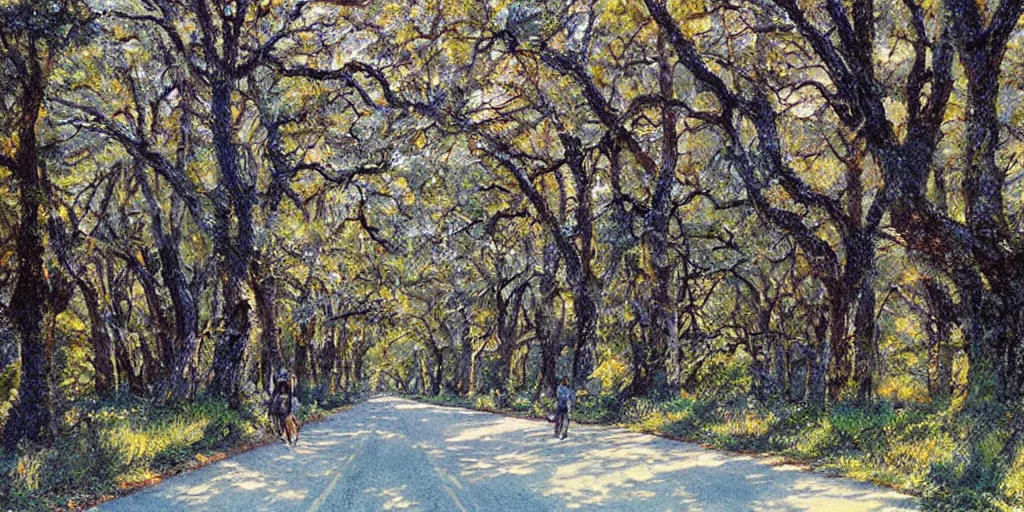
column 485, row 433
column 392, row 498
column 393, row 454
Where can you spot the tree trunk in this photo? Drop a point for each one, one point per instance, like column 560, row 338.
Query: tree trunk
column 837, row 357
column 163, row 334
column 866, row 340
column 435, row 382
column 302, row 357
column 32, row 417
column 186, row 325
column 464, row 366
column 236, row 252
column 585, row 287
column 329, row 360
column 229, row 352
column 357, row 369
column 941, row 310
column 264, row 287
column 99, row 337
column 1000, row 305
column 181, row 362
column 818, row 362
column 665, row 329
column 780, row 367
column 544, row 325
column 341, row 368
column 797, row 363
column 639, row 345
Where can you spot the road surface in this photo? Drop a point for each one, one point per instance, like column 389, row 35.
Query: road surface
column 394, row 454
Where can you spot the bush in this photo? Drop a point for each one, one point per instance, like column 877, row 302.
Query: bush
column 637, row 410
column 488, row 402
column 601, row 408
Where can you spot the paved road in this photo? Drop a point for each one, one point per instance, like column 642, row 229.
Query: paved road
column 393, row 454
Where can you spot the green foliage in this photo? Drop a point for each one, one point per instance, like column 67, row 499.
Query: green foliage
column 613, row 373
column 725, row 378
column 446, row 399
column 488, row 402
column 8, row 390
column 602, row 408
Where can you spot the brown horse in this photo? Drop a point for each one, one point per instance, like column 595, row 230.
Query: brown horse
column 281, row 411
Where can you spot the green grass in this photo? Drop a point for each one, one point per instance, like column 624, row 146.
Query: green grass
column 107, row 447
column 920, row 449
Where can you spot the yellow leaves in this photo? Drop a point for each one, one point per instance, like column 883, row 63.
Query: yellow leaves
column 62, row 212
column 420, row 141
column 691, row 14
column 896, row 111
column 612, row 372
column 405, row 33
column 458, row 51
column 391, row 13
column 600, row 75
column 119, row 32
column 911, row 275
column 618, row 9
column 908, row 326
column 624, row 14
column 6, row 257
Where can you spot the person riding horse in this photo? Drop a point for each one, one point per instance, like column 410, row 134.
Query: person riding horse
column 282, row 403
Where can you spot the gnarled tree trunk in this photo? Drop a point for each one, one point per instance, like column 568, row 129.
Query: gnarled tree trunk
column 32, row 417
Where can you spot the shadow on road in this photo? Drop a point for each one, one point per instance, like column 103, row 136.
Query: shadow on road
column 393, row 454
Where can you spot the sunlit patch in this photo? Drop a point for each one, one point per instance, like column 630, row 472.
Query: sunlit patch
column 197, row 490
column 411, row 406
column 292, row 495
column 394, row 500
column 486, row 432
column 249, row 485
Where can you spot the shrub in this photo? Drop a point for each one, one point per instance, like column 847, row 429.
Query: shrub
column 637, row 410
column 486, row 402
column 602, row 408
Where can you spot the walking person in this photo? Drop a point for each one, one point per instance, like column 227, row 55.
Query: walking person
column 565, row 397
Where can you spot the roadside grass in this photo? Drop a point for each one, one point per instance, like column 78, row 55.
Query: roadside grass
column 921, row 449
column 113, row 447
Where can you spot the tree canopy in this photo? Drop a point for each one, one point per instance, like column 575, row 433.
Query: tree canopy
column 811, row 202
